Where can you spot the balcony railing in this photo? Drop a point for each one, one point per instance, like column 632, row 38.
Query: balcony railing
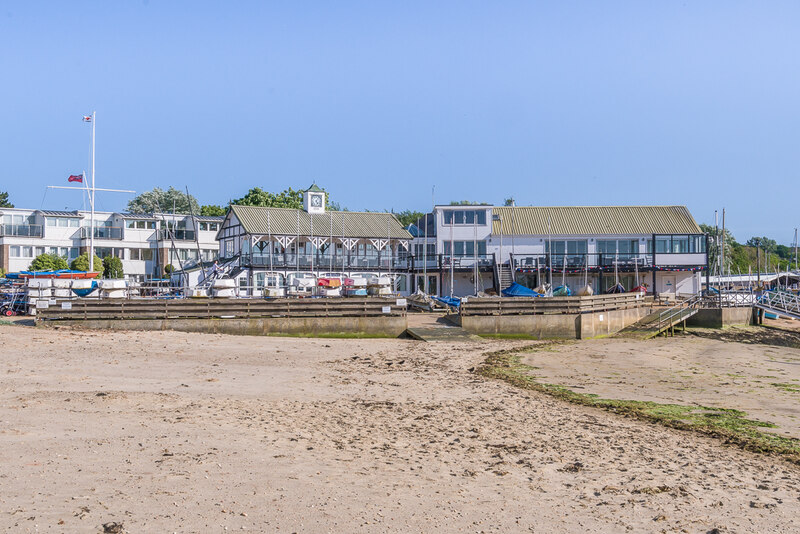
column 102, row 232
column 21, row 230
column 323, row 261
column 179, row 234
column 558, row 262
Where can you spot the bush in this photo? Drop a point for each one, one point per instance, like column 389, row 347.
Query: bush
column 48, row 262
column 169, row 269
column 81, row 263
column 112, row 267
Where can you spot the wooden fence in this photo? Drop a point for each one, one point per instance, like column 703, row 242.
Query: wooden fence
column 220, row 308
column 552, row 305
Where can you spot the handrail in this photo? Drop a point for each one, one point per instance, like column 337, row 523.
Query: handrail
column 681, row 311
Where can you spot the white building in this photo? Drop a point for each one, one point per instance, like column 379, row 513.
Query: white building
column 272, row 245
column 144, row 242
column 661, row 247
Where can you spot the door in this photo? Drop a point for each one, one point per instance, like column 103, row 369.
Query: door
column 667, row 284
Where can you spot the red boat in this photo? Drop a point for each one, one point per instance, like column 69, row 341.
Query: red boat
column 64, row 274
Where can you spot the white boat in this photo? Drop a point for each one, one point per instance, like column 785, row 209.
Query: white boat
column 301, row 284
column 224, row 288
column 274, row 285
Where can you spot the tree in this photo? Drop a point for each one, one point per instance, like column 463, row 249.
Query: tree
column 4, row 203
column 48, row 262
column 288, row 198
column 509, row 201
column 112, row 267
column 169, row 269
column 766, row 244
column 81, row 263
column 164, row 201
column 212, row 210
column 407, row 217
column 466, row 203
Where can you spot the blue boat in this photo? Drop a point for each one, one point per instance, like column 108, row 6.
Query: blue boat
column 518, row 290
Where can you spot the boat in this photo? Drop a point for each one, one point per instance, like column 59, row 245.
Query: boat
column 301, row 284
column 562, row 291
column 355, row 286
column 329, row 287
column 586, row 291
column 63, row 274
column 542, row 289
column 639, row 289
column 616, row 288
column 380, row 285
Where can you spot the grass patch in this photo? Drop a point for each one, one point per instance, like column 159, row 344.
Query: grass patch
column 509, row 336
column 3, row 321
column 731, row 426
column 792, row 388
column 334, row 335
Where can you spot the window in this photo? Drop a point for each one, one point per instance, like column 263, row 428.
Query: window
column 39, row 251
column 63, row 222
column 680, row 244
column 209, row 226
column 466, row 217
column 465, row 248
column 27, row 252
column 663, row 244
column 579, row 246
column 141, row 254
column 14, row 251
column 420, row 250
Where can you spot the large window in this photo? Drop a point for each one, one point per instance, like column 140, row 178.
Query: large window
column 141, row 254
column 209, row 226
column 466, row 248
column 618, row 246
column 421, row 249
column 63, row 222
column 141, row 225
column 678, row 244
column 567, row 247
column 465, row 217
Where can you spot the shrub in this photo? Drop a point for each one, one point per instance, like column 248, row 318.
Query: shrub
column 81, row 263
column 48, row 262
column 112, row 267
column 169, row 269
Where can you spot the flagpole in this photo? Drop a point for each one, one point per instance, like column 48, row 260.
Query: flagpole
column 91, row 219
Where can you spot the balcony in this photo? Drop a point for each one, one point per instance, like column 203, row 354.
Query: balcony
column 21, row 230
column 102, row 232
column 573, row 262
column 374, row 262
column 179, row 234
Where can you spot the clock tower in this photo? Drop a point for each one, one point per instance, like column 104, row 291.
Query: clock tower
column 314, row 199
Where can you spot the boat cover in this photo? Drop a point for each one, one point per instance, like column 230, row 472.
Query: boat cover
column 562, row 291
column 518, row 290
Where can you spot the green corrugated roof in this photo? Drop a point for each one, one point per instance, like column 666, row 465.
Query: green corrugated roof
column 284, row 221
column 595, row 220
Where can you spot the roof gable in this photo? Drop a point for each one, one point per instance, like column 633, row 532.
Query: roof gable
column 258, row 220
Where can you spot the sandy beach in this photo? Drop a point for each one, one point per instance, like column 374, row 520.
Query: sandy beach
column 173, row 432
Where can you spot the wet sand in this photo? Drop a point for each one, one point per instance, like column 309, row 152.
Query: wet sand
column 174, row 432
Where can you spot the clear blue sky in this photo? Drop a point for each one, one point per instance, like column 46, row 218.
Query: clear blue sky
column 554, row 103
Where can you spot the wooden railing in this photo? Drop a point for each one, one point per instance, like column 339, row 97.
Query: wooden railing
column 221, row 308
column 552, row 305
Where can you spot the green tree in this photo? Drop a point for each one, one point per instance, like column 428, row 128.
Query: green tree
column 169, row 269
column 164, row 201
column 766, row 244
column 48, row 262
column 509, row 201
column 466, row 203
column 81, row 263
column 211, row 210
column 4, row 203
column 112, row 267
column 407, row 217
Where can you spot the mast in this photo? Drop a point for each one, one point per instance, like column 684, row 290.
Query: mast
column 91, row 200
column 795, row 249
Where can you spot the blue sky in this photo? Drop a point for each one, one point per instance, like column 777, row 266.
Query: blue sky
column 554, row 103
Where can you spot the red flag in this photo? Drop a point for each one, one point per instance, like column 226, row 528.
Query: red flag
column 75, row 178
column 87, row 118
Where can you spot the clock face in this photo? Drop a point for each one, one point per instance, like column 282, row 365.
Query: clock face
column 316, row 201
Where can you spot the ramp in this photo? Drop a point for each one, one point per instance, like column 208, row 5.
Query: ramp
column 436, row 327
column 780, row 303
column 661, row 321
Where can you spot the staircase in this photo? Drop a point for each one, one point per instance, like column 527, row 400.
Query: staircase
column 780, row 303
column 662, row 320
column 505, row 275
column 222, row 271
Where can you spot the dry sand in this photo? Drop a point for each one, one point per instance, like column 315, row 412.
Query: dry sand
column 173, row 432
